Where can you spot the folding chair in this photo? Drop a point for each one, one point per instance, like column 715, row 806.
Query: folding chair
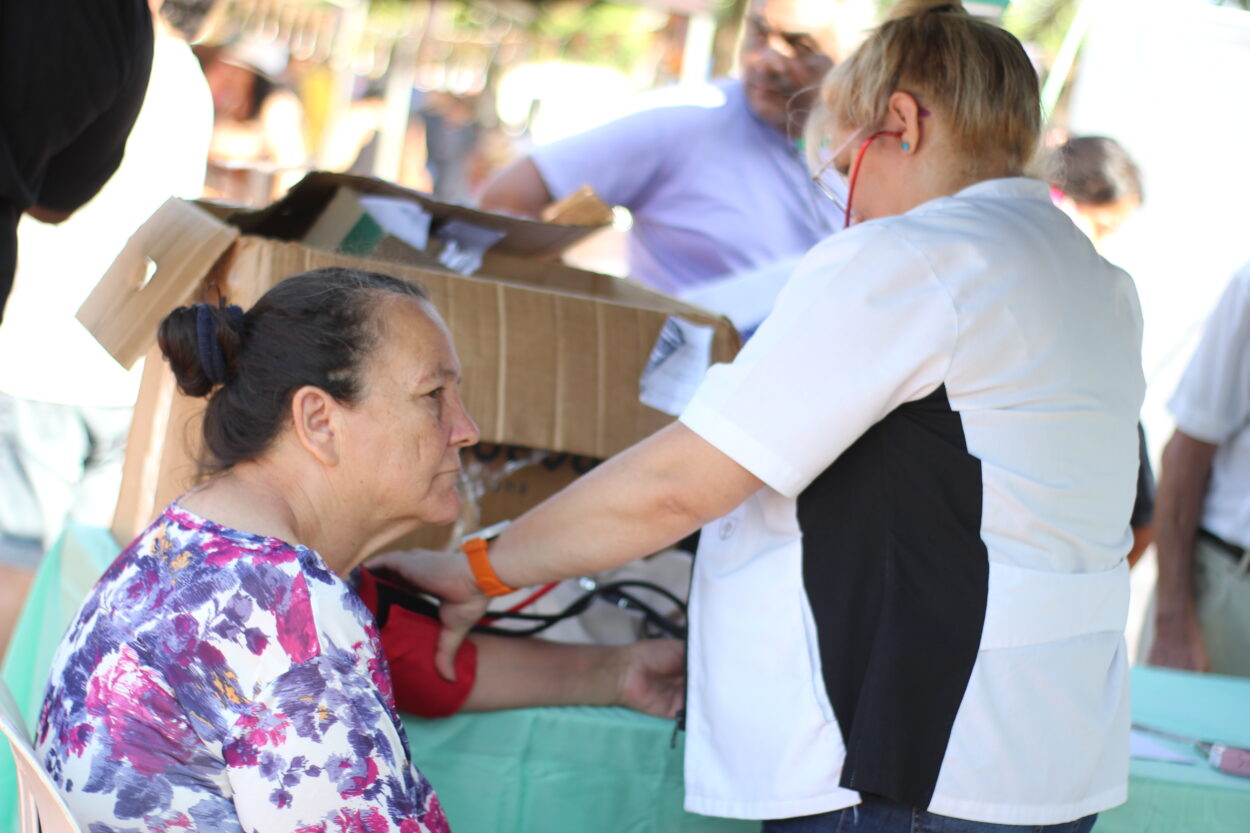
column 40, row 804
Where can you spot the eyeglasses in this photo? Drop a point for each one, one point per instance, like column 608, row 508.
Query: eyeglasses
column 836, row 185
column 839, row 187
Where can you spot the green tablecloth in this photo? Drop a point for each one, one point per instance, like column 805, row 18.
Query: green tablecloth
column 578, row 769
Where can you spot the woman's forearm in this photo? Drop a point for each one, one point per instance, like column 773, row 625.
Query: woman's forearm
column 637, row 503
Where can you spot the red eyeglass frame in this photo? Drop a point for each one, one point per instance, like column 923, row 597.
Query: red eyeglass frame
column 859, row 156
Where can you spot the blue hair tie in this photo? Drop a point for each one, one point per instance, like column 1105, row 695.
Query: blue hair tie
column 212, row 359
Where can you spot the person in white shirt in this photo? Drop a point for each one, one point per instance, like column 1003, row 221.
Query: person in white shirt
column 914, row 483
column 1202, row 603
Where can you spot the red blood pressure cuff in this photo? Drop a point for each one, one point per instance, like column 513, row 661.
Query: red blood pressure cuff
column 409, row 631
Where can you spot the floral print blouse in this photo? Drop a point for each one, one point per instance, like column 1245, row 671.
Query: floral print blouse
column 216, row 680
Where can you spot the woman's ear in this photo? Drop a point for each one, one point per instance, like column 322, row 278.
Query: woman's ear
column 904, row 116
column 316, row 420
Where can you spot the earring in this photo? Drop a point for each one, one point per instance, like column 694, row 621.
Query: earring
column 906, row 147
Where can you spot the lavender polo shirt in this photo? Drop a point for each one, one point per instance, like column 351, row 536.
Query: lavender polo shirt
column 713, row 190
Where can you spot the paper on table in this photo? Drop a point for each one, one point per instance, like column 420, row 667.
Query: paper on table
column 1142, row 745
column 678, row 363
column 400, row 218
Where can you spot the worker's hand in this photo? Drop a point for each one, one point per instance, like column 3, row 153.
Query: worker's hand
column 1178, row 644
column 447, row 576
column 653, row 677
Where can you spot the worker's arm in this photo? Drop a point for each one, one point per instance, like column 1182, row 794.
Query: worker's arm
column 518, row 189
column 1182, row 488
column 636, row 503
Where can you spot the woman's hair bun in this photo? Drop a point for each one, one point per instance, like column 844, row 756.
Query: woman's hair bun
column 913, row 8
column 201, row 342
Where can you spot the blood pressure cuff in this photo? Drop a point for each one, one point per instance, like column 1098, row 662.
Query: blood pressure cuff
column 409, row 628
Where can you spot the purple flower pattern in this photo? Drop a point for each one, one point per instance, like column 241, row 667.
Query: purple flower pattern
column 216, row 680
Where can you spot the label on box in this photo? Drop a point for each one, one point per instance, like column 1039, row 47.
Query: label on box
column 679, row 360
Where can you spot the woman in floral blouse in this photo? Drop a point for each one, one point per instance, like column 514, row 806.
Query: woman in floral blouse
column 224, row 674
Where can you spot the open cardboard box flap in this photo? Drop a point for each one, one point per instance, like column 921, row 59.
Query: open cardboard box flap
column 552, row 357
column 182, row 241
column 290, row 217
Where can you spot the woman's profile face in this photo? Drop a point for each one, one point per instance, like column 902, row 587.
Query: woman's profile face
column 404, row 435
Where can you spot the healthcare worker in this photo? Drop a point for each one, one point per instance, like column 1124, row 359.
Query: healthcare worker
column 914, row 481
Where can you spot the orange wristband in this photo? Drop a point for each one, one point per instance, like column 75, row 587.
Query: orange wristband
column 483, row 573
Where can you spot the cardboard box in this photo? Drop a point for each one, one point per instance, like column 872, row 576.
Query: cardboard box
column 552, row 356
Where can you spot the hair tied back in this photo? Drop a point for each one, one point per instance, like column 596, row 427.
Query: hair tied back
column 212, row 358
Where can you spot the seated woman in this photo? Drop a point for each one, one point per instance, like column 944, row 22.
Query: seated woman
column 224, row 674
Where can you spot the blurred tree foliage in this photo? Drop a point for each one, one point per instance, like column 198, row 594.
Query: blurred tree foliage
column 616, row 34
column 1043, row 22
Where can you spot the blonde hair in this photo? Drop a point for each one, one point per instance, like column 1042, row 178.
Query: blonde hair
column 973, row 73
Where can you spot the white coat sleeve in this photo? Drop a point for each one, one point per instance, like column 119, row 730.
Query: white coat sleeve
column 862, row 327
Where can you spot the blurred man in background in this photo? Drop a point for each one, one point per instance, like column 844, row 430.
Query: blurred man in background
column 65, row 404
column 713, row 176
column 1202, row 603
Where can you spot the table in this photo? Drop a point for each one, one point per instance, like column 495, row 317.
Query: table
column 1178, row 798
column 606, row 769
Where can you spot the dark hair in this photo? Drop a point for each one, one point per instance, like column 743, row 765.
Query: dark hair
column 1094, row 170
column 186, row 16
column 315, row 328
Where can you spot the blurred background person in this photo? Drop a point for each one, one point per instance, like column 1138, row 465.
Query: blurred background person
column 1202, row 606
column 1097, row 183
column 74, row 76
column 452, row 133
column 65, row 403
column 259, row 147
column 712, row 175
